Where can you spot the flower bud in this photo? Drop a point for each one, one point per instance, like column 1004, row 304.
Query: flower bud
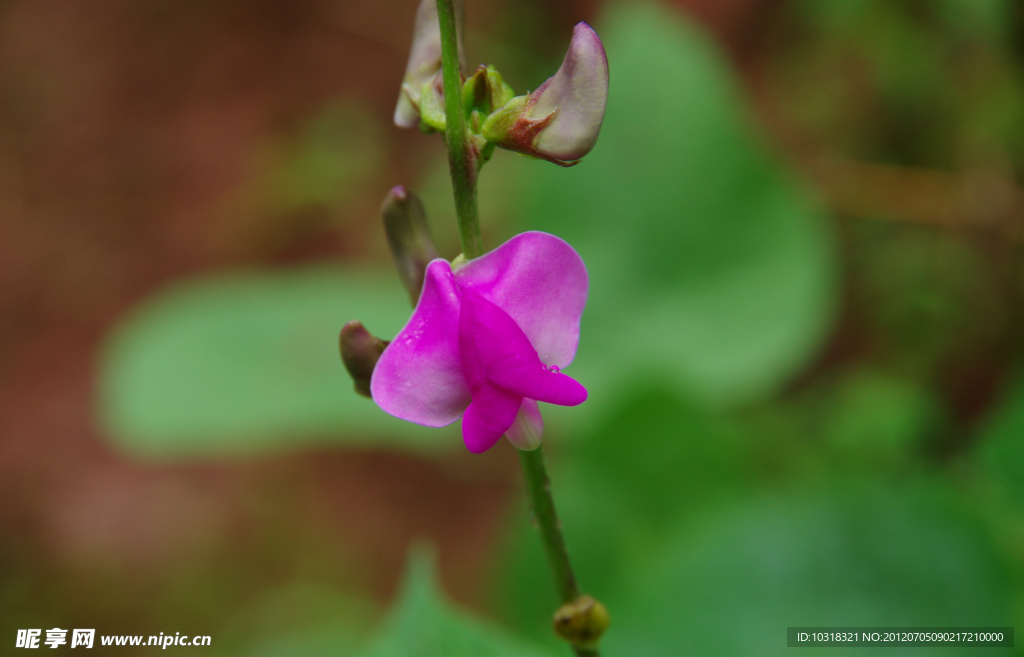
column 360, row 352
column 561, row 120
column 484, row 91
column 405, row 223
column 582, row 622
column 424, row 60
column 528, row 427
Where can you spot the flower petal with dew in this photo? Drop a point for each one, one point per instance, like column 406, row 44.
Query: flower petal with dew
column 488, row 341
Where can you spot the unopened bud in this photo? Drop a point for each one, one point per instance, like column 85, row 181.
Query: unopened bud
column 405, row 223
column 561, row 120
column 360, row 352
column 582, row 622
column 528, row 427
column 484, row 91
column 424, row 60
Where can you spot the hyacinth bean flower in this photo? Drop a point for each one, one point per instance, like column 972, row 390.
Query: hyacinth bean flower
column 561, row 120
column 487, row 341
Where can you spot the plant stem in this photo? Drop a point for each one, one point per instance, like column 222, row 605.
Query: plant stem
column 462, row 161
column 538, row 486
column 462, row 155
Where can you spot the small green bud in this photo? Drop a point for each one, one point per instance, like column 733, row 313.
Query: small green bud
column 582, row 622
column 405, row 223
column 360, row 352
column 481, row 93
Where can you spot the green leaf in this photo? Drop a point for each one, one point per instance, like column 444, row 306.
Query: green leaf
column 865, row 555
column 246, row 362
column 707, row 260
column 424, row 624
column 872, row 419
column 1001, row 446
column 299, row 619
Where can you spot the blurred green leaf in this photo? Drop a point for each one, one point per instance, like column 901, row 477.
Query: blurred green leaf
column 246, row 362
column 301, row 620
column 869, row 555
column 707, row 260
column 1001, row 446
column 873, row 418
column 424, row 624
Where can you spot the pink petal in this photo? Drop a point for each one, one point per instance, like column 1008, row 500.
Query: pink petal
column 541, row 282
column 488, row 417
column 503, row 355
column 419, row 376
column 528, row 427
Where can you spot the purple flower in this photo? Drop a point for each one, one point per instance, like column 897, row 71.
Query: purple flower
column 486, row 343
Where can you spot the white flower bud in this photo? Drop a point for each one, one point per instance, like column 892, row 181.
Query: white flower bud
column 577, row 95
column 561, row 120
column 424, row 60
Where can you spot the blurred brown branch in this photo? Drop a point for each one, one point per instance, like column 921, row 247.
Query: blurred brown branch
column 984, row 200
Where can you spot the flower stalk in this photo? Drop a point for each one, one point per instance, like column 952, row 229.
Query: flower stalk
column 463, row 162
column 462, row 158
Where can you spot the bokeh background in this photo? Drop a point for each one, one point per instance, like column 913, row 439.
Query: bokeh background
column 803, row 343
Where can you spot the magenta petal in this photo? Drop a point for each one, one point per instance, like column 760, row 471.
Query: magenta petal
column 488, row 417
column 492, row 340
column 542, row 385
column 541, row 282
column 472, row 365
column 506, row 357
column 419, row 376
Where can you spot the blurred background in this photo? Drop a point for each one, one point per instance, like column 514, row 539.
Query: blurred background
column 803, row 342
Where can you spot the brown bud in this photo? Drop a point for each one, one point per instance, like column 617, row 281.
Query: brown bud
column 360, row 352
column 582, row 622
column 405, row 223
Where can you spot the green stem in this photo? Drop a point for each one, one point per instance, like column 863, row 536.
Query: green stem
column 538, row 486
column 462, row 156
column 462, row 161
column 543, row 505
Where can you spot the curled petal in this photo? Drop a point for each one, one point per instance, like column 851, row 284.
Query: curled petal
column 542, row 283
column 576, row 96
column 528, row 427
column 419, row 376
column 488, row 417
